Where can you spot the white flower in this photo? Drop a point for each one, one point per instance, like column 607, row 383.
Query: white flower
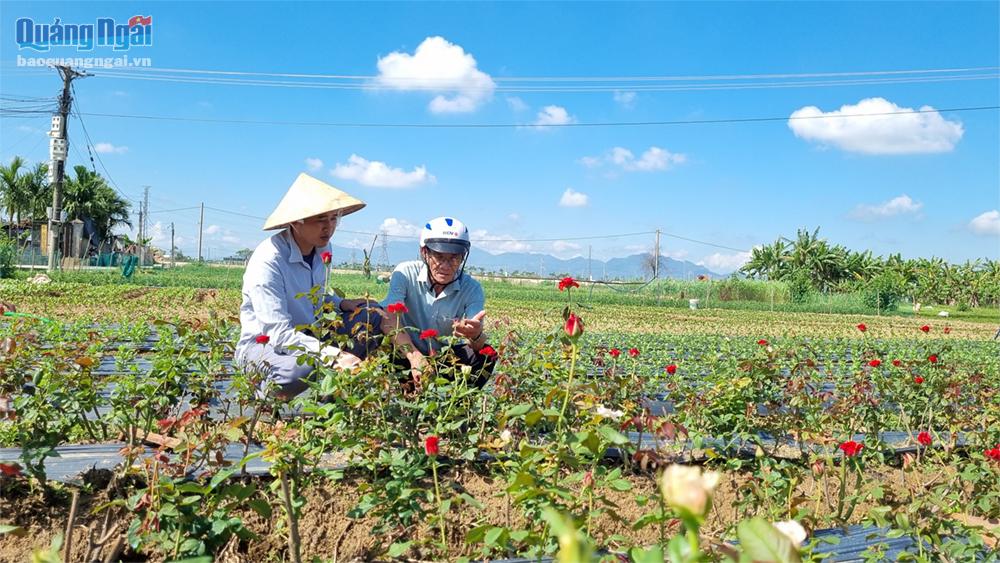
column 609, row 413
column 505, row 437
column 793, row 531
column 687, row 489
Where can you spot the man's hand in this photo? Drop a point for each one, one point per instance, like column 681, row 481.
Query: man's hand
column 346, row 360
column 469, row 328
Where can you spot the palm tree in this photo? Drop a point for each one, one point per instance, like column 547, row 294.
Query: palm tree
column 37, row 192
column 11, row 195
column 87, row 195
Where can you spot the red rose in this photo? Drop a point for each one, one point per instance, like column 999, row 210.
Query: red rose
column 947, row 330
column 326, row 257
column 567, row 282
column 397, row 308
column 431, row 445
column 932, row 358
column 762, row 342
column 429, row 333
column 918, row 380
column 993, row 453
column 634, row 352
column 10, row 469
column 615, row 352
column 488, row 351
column 671, row 369
column 875, row 363
column 925, row 328
column 574, row 326
column 262, row 339
column 924, row 438
column 851, row 448
column 897, row 363
column 862, row 327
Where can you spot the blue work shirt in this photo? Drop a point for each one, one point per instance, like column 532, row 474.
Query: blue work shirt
column 411, row 286
column 276, row 274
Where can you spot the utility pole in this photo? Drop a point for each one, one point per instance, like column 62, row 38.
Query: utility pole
column 143, row 225
column 172, row 245
column 201, row 229
column 590, row 256
column 58, row 149
column 656, row 256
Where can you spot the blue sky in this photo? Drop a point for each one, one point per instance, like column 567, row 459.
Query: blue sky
column 918, row 184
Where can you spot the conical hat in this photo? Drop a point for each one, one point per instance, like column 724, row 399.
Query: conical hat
column 308, row 197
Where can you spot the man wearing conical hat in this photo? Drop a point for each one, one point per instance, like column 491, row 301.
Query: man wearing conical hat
column 283, row 268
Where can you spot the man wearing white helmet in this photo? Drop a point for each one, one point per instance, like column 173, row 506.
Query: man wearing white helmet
column 279, row 276
column 438, row 295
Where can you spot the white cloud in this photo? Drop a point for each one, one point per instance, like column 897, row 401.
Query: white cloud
column 161, row 236
column 442, row 67
column 553, row 115
column 516, row 104
column 870, row 133
column 314, row 164
column 899, row 205
column 724, row 263
column 496, row 244
column 399, row 228
column 564, row 246
column 213, row 229
column 106, row 148
column 652, row 160
column 514, row 217
column 987, row 223
column 625, row 99
column 380, row 175
column 120, row 93
column 573, row 199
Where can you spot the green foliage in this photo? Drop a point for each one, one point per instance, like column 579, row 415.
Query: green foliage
column 883, row 292
column 800, row 287
column 8, row 256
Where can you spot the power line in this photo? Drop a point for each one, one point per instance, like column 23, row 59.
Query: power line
column 577, row 78
column 93, row 149
column 528, row 125
column 380, row 86
column 173, row 210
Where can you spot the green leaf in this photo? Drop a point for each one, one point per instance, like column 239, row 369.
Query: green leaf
column 651, row 555
column 13, row 530
column 518, row 410
column 494, row 535
column 613, row 436
column 398, row 548
column 620, row 485
column 761, row 541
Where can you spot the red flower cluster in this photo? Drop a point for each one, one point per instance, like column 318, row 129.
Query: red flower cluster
column 429, row 333
column 10, row 469
column 262, row 339
column 567, row 282
column 932, row 358
column 924, row 438
column 574, row 326
column 488, row 351
column 947, row 330
column 851, row 448
column 762, row 342
column 993, row 454
column 671, row 369
column 875, row 363
column 918, row 380
column 615, row 352
column 431, row 445
column 862, row 327
column 926, row 328
column 326, row 257
column 897, row 363
column 397, row 308
column 634, row 352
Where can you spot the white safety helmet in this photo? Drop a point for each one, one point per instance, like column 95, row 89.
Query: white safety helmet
column 445, row 234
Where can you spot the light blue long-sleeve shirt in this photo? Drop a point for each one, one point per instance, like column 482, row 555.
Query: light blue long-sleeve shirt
column 276, row 274
column 409, row 285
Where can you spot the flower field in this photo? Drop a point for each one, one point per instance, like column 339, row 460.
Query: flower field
column 610, row 430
